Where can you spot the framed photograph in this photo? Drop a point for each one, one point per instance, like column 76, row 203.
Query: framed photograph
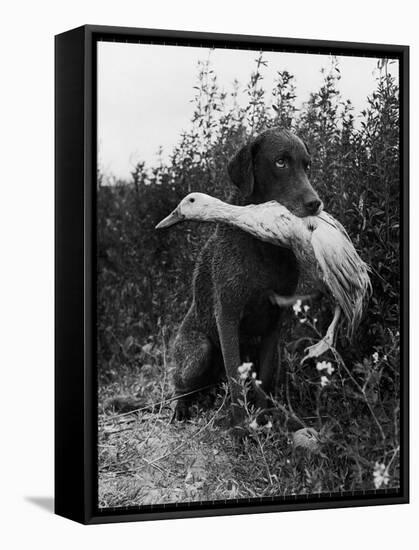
column 231, row 274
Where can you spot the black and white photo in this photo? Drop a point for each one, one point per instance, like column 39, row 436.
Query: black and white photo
column 248, row 341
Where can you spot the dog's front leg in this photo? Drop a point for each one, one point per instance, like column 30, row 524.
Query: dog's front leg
column 269, row 360
column 228, row 332
column 269, row 365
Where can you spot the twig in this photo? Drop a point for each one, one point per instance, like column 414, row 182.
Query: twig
column 118, row 431
column 396, row 450
column 193, row 436
column 156, row 466
column 264, row 459
column 340, row 360
column 255, row 434
column 152, row 405
column 126, row 461
column 153, row 428
column 291, row 412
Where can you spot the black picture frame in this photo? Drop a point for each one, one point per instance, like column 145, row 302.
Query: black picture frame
column 75, row 249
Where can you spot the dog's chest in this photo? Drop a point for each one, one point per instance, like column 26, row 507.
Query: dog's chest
column 275, row 266
column 249, row 266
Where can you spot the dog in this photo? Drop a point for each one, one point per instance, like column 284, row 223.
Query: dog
column 231, row 316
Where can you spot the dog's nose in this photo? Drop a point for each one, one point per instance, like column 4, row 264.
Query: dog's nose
column 313, row 206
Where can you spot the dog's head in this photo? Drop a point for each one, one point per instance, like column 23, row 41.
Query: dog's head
column 275, row 166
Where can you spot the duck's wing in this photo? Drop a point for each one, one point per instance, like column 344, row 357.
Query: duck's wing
column 345, row 273
column 329, row 219
column 274, row 223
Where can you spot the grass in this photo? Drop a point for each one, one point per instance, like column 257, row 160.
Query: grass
column 145, row 459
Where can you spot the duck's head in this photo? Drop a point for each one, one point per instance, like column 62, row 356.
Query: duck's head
column 194, row 206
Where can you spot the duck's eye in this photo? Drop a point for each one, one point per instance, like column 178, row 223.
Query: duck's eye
column 281, row 163
column 308, row 167
column 191, row 200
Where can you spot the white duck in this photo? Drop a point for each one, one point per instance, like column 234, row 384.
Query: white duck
column 325, row 253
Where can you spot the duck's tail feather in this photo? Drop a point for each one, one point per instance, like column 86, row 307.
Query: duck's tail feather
column 345, row 274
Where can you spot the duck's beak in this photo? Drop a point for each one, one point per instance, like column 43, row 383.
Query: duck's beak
column 171, row 219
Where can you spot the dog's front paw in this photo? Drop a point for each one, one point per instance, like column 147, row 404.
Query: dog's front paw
column 318, row 349
column 237, row 421
column 238, row 434
column 182, row 411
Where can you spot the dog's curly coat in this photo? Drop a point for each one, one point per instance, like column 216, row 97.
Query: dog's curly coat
column 235, row 274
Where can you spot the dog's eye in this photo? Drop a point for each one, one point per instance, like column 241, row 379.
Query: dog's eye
column 281, row 163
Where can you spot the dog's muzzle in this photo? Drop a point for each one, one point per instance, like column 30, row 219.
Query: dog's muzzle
column 171, row 219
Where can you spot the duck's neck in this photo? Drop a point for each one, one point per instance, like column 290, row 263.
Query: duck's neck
column 219, row 211
column 248, row 218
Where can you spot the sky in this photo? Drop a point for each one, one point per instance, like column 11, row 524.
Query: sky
column 144, row 92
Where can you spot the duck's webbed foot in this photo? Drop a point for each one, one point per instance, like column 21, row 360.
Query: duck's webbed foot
column 326, row 343
column 317, row 349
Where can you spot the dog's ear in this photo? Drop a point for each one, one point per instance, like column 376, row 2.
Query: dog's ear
column 240, row 170
column 306, row 146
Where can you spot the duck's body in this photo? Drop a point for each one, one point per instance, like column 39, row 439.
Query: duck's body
column 324, row 251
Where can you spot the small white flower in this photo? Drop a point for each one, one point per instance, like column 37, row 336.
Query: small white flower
column 245, row 367
column 303, row 320
column 244, row 370
column 380, row 475
column 375, row 357
column 325, row 365
column 306, row 308
column 258, row 382
column 315, row 320
column 268, row 425
column 253, row 425
column 321, row 365
column 385, row 357
column 254, row 375
column 324, row 381
column 297, row 307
